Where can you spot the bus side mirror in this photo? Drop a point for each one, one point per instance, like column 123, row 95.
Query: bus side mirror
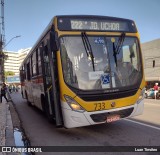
column 54, row 41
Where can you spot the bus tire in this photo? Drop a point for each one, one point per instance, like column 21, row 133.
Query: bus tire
column 46, row 110
column 22, row 94
column 28, row 102
column 43, row 103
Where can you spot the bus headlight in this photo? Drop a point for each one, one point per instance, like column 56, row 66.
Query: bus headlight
column 73, row 104
column 141, row 97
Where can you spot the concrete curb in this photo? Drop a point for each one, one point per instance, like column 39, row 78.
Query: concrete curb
column 10, row 141
column 9, row 130
column 6, row 126
column 3, row 122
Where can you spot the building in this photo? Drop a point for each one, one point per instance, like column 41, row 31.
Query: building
column 151, row 57
column 15, row 59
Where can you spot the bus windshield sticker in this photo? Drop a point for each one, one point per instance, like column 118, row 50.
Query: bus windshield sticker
column 99, row 41
column 105, row 80
column 95, row 75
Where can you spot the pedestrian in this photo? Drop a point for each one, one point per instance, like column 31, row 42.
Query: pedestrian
column 155, row 90
column 3, row 93
column 14, row 88
column 4, row 85
column 10, row 88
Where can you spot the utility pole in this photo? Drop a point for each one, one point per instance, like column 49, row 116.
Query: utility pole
column 2, row 43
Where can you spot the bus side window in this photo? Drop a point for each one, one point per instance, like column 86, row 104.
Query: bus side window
column 22, row 74
column 28, row 71
column 34, row 63
column 46, row 65
column 39, row 64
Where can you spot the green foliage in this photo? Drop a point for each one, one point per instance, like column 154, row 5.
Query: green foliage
column 8, row 73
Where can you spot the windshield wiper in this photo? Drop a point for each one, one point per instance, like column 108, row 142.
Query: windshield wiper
column 115, row 54
column 88, row 48
column 117, row 48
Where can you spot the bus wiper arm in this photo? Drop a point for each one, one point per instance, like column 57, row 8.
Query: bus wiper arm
column 88, row 48
column 117, row 48
column 120, row 43
column 115, row 54
column 85, row 44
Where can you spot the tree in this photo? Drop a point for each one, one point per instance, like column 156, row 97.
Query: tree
column 8, row 73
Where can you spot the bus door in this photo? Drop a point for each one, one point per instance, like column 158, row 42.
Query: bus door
column 48, row 105
column 51, row 89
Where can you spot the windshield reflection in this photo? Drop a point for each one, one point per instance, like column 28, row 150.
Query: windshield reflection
column 78, row 67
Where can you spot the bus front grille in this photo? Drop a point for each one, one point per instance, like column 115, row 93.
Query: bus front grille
column 103, row 116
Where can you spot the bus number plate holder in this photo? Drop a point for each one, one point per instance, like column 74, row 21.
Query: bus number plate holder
column 112, row 118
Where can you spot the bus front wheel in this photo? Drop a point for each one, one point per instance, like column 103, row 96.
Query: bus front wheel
column 46, row 110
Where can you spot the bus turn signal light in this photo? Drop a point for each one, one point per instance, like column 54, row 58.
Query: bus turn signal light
column 73, row 104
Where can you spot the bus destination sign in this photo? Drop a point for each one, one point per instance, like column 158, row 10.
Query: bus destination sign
column 98, row 25
column 79, row 24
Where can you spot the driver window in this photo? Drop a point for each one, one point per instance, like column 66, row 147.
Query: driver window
column 130, row 55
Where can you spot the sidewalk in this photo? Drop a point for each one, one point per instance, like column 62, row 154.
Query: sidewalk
column 6, row 126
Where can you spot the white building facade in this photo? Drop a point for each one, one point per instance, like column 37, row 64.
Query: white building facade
column 15, row 59
column 151, row 57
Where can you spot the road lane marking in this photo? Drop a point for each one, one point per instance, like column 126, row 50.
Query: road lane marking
column 154, row 127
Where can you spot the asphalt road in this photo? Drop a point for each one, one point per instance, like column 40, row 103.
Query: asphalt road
column 151, row 114
column 143, row 130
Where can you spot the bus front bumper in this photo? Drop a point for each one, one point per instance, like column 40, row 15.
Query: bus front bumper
column 77, row 119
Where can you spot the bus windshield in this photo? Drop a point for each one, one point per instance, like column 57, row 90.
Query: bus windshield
column 77, row 63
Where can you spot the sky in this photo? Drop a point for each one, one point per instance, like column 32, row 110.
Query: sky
column 28, row 18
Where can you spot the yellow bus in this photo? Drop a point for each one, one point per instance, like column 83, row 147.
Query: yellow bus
column 85, row 70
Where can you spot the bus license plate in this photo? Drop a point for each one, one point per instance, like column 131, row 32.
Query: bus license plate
column 112, row 118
